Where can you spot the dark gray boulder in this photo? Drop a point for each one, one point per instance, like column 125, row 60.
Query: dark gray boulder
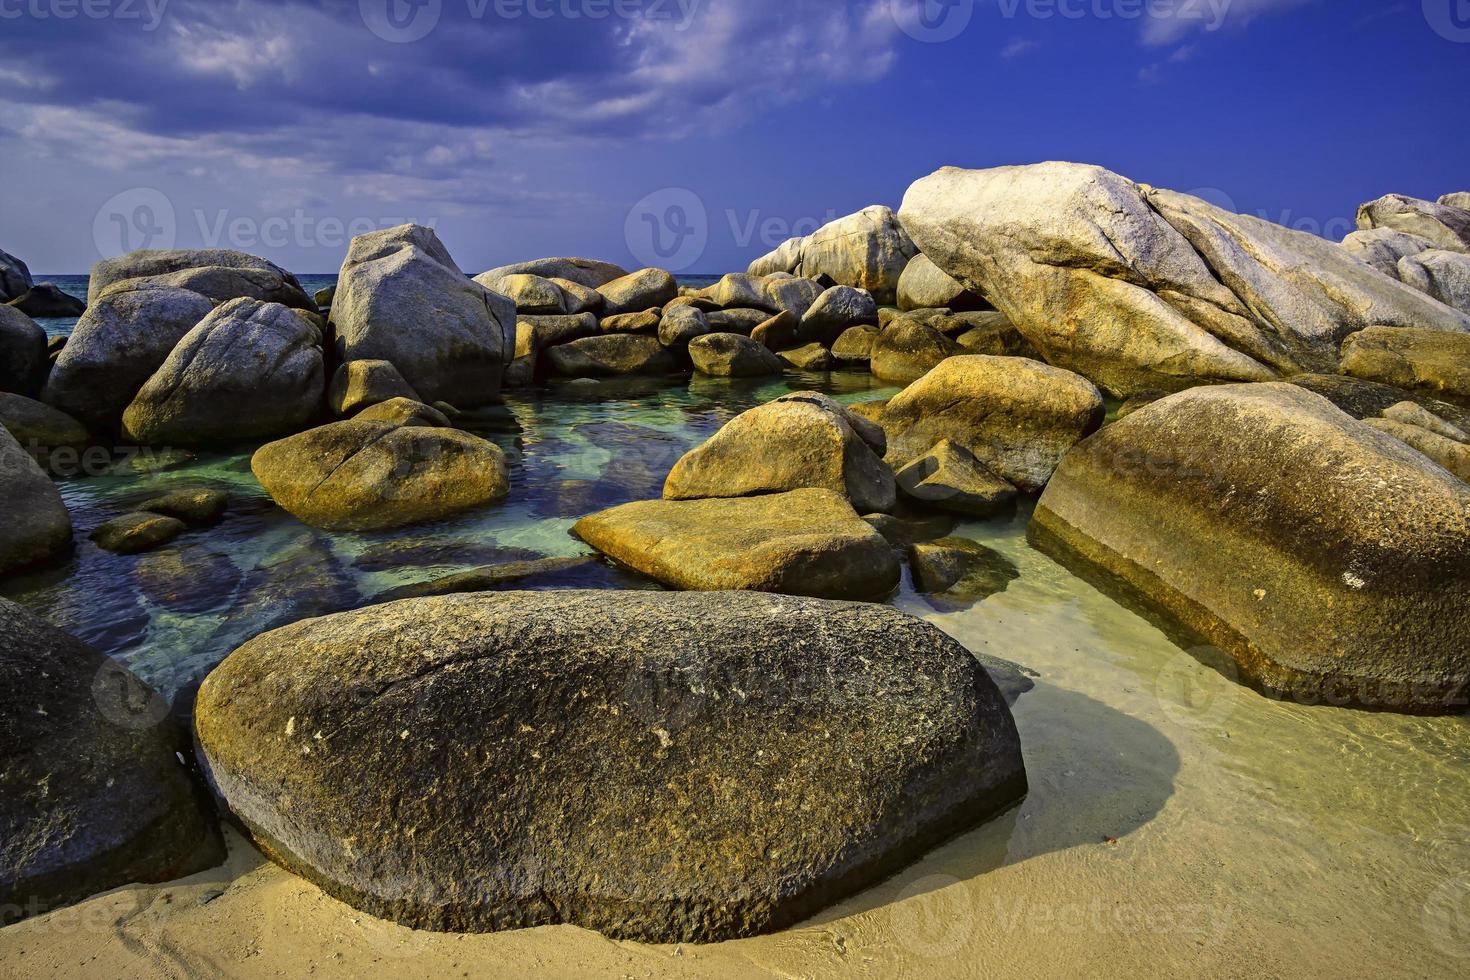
column 36, row 525
column 15, row 278
column 611, row 355
column 46, row 299
column 148, row 263
column 23, row 357
column 667, row 768
column 92, row 794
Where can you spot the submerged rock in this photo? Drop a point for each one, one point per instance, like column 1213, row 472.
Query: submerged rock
column 131, row 534
column 36, row 524
column 729, row 355
column 1140, row 288
column 806, row 542
column 1017, row 416
column 687, row 768
column 401, row 298
column 359, row 476
column 789, row 444
column 249, row 370
column 1329, row 560
column 195, row 507
column 960, row 569
column 1432, row 361
column 92, row 793
column 189, row 579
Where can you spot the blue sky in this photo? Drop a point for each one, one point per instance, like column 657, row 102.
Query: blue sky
column 522, row 128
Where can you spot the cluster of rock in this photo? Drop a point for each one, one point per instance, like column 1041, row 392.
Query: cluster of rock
column 35, row 299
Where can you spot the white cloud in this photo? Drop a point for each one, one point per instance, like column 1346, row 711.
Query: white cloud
column 1168, row 23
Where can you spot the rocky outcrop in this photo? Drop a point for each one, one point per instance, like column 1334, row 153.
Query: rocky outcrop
column 1141, row 288
column 46, row 299
column 729, row 355
column 23, row 358
column 1017, row 416
column 685, row 768
column 360, row 476
column 251, row 269
column 585, row 272
column 799, row 441
column 36, row 524
column 638, row 291
column 949, row 477
column 124, row 337
column 805, row 542
column 611, row 355
column 925, row 286
column 1429, row 361
column 1382, row 248
column 401, row 298
column 249, row 370
column 1329, row 560
column 1439, row 273
column 92, row 793
column 869, row 250
column 1446, row 226
column 15, row 278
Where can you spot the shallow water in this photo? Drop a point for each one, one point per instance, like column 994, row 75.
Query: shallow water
column 1176, row 821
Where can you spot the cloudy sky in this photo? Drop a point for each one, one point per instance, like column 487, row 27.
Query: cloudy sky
column 689, row 133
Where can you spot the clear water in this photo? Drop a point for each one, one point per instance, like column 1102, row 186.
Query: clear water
column 1176, row 821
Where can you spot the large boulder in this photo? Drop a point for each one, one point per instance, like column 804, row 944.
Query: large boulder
column 675, row 768
column 124, row 337
column 1442, row 274
column 925, row 286
column 37, row 426
column 585, row 272
column 23, row 357
column 1141, row 288
column 680, row 325
column 1017, row 416
column 792, row 295
column 92, row 794
column 949, row 478
column 36, row 524
column 729, row 355
column 833, row 312
column 401, row 298
column 798, row 441
column 359, row 384
column 46, row 299
column 148, row 263
column 907, row 349
column 533, row 295
column 611, row 355
column 361, row 476
column 854, row 347
column 1382, row 248
column 1329, row 560
column 15, row 278
column 869, row 250
column 638, row 291
column 1446, row 226
column 535, row 334
column 220, row 284
column 249, row 370
column 1429, row 361
column 805, row 542
column 736, row 289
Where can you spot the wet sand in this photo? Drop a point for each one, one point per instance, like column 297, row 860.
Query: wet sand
column 1177, row 825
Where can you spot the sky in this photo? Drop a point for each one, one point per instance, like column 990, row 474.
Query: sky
column 690, row 134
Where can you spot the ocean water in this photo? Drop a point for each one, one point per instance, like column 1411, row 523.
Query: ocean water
column 1176, row 821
